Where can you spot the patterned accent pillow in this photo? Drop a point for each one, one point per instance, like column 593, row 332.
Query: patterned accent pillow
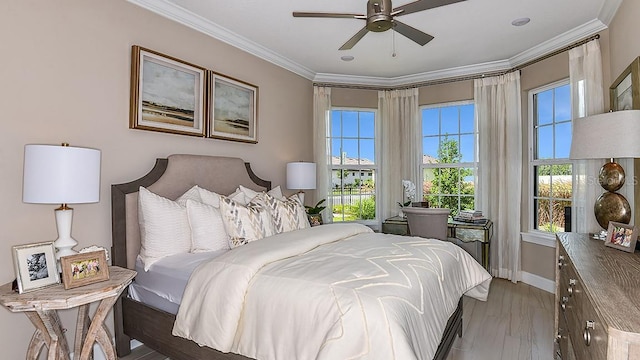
column 245, row 223
column 287, row 214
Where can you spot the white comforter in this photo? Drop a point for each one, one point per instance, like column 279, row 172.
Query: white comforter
column 335, row 291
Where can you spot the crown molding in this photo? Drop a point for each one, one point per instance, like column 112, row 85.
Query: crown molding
column 574, row 35
column 198, row 23
column 425, row 77
column 180, row 15
column 609, row 10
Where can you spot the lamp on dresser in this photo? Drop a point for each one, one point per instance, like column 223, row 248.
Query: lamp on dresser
column 62, row 175
column 301, row 176
column 611, row 135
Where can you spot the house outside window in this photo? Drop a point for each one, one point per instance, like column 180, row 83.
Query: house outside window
column 449, row 155
column 550, row 166
column 352, row 142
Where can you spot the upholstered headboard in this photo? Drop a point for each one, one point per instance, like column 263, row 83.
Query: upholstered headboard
column 170, row 178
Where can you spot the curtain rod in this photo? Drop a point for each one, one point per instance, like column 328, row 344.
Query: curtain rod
column 467, row 77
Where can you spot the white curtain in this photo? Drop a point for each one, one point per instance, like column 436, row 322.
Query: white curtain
column 498, row 107
column 401, row 147
column 587, row 98
column 321, row 155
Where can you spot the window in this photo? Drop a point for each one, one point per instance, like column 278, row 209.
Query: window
column 449, row 163
column 352, row 144
column 550, row 166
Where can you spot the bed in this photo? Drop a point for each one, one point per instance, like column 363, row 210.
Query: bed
column 153, row 323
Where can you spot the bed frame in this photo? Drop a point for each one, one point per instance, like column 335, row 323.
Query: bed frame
column 170, row 178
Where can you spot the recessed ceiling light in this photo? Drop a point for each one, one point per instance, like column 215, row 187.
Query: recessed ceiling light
column 347, row 58
column 520, row 22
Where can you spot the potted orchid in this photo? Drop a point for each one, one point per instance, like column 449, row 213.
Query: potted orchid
column 409, row 195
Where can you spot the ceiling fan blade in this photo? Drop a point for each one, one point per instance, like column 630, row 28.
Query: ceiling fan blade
column 354, row 39
column 327, row 15
column 423, row 5
column 412, row 33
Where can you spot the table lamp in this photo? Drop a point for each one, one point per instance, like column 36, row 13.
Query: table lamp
column 608, row 136
column 301, row 176
column 61, row 175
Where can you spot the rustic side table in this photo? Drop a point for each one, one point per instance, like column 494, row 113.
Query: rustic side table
column 41, row 307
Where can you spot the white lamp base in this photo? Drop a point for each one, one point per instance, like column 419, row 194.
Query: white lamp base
column 301, row 196
column 65, row 243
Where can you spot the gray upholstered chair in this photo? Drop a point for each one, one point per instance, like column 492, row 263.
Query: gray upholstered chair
column 427, row 222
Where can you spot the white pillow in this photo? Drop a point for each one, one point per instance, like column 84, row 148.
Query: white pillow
column 287, row 215
column 276, row 192
column 164, row 227
column 201, row 195
column 207, row 229
column 245, row 223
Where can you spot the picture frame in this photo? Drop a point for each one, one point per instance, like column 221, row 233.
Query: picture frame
column 84, row 269
column 35, row 266
column 621, row 236
column 624, row 93
column 167, row 94
column 233, row 109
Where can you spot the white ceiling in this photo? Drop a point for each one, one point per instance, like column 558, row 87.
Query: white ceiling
column 471, row 37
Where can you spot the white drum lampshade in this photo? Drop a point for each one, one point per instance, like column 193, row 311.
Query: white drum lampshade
column 301, row 176
column 61, row 175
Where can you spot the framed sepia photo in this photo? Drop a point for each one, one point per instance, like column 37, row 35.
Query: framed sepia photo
column 35, row 266
column 624, row 93
column 621, row 236
column 84, row 269
column 233, row 113
column 167, row 94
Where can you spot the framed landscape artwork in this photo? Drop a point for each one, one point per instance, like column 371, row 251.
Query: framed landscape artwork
column 624, row 93
column 35, row 266
column 233, row 113
column 167, row 94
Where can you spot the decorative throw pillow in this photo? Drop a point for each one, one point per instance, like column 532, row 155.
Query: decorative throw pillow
column 201, row 195
column 164, row 227
column 207, row 229
column 287, row 214
column 251, row 194
column 245, row 223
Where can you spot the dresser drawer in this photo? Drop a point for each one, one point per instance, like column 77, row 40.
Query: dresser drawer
column 583, row 322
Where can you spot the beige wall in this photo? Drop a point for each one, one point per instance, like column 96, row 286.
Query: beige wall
column 65, row 77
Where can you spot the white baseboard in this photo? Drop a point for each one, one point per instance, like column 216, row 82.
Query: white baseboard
column 538, row 282
column 99, row 355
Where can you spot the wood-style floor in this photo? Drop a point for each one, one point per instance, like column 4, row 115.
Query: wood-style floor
column 516, row 323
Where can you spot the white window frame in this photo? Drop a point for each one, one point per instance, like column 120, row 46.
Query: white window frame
column 533, row 162
column 473, row 165
column 359, row 168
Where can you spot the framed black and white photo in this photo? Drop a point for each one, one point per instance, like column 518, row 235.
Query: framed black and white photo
column 35, row 266
column 233, row 113
column 167, row 94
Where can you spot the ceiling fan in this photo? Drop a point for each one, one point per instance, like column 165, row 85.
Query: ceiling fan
column 381, row 17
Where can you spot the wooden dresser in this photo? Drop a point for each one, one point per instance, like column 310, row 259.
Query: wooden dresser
column 597, row 313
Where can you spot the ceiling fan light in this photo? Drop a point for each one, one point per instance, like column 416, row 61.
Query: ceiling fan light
column 520, row 21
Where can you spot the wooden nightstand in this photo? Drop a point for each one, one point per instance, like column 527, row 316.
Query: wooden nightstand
column 41, row 307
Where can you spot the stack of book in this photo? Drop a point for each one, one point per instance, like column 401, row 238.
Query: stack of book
column 470, row 216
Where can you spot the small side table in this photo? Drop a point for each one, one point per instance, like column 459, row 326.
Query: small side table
column 473, row 238
column 41, row 307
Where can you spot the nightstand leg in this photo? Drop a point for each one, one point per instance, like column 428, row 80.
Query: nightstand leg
column 82, row 326
column 49, row 327
column 97, row 331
